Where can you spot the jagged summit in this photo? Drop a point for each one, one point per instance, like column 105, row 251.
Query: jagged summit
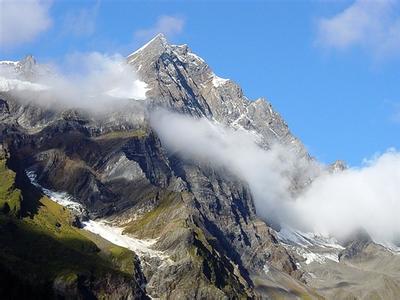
column 159, row 46
column 156, row 44
column 25, row 68
column 338, row 166
column 28, row 60
column 183, row 81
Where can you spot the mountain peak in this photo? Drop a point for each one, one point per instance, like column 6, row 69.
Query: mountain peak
column 29, row 59
column 158, row 40
column 156, row 45
column 160, row 36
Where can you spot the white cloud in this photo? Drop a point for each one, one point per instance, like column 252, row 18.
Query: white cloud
column 372, row 25
column 81, row 22
column 335, row 203
column 22, row 21
column 268, row 173
column 92, row 81
column 396, row 115
column 368, row 197
column 168, row 25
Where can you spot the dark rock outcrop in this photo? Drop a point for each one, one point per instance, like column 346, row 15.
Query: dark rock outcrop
column 355, row 245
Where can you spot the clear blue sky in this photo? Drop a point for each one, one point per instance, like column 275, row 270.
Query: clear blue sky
column 333, row 76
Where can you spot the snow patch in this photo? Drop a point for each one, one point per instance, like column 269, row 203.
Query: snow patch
column 218, row 81
column 61, row 198
column 311, row 246
column 266, row 269
column 290, row 236
column 114, row 234
column 197, row 60
column 196, row 57
column 316, row 257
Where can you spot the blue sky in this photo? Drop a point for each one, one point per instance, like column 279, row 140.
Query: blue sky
column 331, row 68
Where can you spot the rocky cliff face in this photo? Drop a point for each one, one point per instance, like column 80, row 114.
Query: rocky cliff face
column 179, row 79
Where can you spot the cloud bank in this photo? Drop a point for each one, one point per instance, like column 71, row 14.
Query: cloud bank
column 270, row 174
column 367, row 197
column 335, row 203
column 372, row 25
column 92, row 81
column 22, row 21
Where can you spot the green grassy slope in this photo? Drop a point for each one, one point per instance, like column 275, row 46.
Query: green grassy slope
column 10, row 198
column 42, row 251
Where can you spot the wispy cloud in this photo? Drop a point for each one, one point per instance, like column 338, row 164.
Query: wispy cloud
column 81, row 22
column 269, row 174
column 392, row 109
column 372, row 25
column 337, row 203
column 367, row 198
column 168, row 25
column 22, row 21
column 396, row 114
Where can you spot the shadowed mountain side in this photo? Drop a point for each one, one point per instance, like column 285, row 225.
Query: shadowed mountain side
column 44, row 256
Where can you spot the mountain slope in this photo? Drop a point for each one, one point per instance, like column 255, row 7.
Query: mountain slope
column 181, row 80
column 117, row 168
column 193, row 225
column 44, row 256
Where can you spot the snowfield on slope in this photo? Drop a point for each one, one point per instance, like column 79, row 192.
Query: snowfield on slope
column 312, row 247
column 113, row 234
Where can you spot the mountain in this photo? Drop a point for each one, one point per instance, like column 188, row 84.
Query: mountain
column 181, row 80
column 146, row 221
